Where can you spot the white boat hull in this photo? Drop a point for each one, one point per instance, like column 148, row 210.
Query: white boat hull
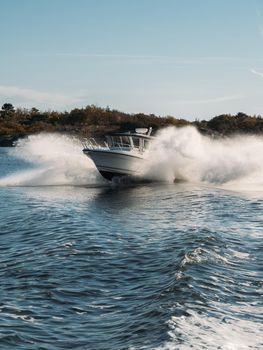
column 112, row 163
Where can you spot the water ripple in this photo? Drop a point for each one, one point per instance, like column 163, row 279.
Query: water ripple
column 140, row 267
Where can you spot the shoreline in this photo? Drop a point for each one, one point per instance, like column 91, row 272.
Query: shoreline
column 9, row 141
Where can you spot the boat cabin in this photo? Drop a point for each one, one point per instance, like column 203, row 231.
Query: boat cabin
column 139, row 140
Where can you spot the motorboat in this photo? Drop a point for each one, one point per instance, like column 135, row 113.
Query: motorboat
column 122, row 154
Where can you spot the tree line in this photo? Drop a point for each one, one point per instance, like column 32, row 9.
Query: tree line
column 95, row 121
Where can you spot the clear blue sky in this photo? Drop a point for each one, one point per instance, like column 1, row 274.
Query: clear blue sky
column 186, row 58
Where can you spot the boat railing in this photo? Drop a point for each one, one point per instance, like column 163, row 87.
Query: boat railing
column 93, row 144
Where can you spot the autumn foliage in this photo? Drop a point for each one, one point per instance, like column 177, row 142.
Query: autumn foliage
column 95, row 121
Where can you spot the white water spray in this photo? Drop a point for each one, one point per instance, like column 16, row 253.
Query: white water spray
column 210, row 332
column 185, row 154
column 175, row 154
column 55, row 160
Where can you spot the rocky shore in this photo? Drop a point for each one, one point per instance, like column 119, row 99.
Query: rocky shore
column 8, row 140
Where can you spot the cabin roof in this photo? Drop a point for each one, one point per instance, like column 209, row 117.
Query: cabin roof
column 132, row 134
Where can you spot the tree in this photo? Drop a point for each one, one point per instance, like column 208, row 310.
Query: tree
column 8, row 107
column 7, row 110
column 34, row 110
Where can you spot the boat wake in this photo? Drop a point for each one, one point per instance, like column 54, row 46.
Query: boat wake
column 51, row 160
column 176, row 154
column 197, row 328
column 183, row 154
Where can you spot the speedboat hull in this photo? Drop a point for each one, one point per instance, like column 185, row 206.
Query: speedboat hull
column 112, row 164
column 123, row 154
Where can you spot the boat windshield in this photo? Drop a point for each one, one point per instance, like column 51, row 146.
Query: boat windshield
column 119, row 141
column 127, row 142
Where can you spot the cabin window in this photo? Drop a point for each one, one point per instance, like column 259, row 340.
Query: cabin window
column 125, row 141
column 109, row 141
column 145, row 144
column 136, row 142
column 116, row 141
column 119, row 141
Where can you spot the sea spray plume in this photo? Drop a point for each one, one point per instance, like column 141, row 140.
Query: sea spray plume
column 233, row 159
column 174, row 153
column 185, row 154
column 56, row 160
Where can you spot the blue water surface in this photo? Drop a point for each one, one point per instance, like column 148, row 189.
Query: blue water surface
column 145, row 266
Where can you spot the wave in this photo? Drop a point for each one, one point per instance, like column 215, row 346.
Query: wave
column 229, row 333
column 53, row 159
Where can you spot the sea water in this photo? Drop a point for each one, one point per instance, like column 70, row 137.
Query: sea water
column 161, row 265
